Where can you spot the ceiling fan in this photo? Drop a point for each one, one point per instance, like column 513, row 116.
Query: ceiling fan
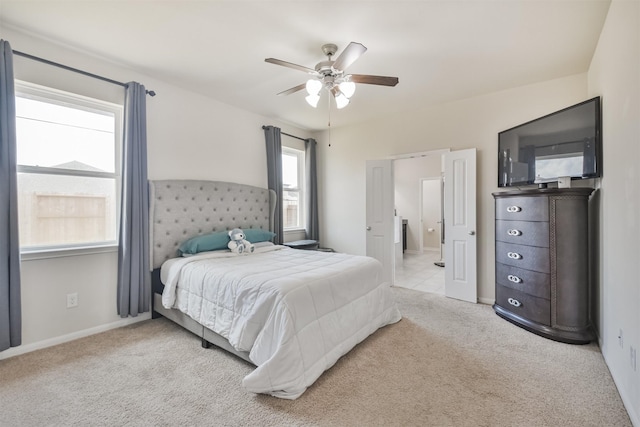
column 331, row 75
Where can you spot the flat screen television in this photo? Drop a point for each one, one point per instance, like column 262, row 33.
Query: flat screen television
column 567, row 143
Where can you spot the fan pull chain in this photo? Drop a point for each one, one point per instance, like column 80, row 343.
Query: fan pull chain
column 329, row 123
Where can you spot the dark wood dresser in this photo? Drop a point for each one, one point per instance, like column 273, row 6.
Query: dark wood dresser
column 542, row 262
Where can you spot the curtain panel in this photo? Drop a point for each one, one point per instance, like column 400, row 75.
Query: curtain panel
column 274, row 176
column 10, row 308
column 134, row 277
column 312, row 226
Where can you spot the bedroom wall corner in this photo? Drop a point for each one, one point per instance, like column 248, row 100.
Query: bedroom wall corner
column 613, row 75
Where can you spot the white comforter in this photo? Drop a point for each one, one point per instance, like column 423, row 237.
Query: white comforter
column 296, row 312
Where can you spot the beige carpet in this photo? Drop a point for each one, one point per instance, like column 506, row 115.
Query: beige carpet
column 447, row 363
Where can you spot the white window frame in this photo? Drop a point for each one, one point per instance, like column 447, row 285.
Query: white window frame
column 54, row 96
column 302, row 207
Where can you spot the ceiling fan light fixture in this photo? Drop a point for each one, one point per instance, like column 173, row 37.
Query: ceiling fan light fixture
column 330, row 75
column 347, row 88
column 313, row 87
column 312, row 100
column 341, row 100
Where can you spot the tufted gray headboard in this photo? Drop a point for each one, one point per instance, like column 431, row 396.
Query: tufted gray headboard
column 181, row 209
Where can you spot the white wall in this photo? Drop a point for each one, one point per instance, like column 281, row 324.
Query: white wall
column 189, row 136
column 615, row 74
column 473, row 122
column 431, row 213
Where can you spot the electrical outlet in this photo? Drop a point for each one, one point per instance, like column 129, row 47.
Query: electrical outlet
column 72, row 300
column 632, row 352
column 620, row 339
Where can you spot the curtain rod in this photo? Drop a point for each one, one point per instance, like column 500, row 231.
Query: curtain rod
column 293, row 136
column 75, row 70
column 287, row 134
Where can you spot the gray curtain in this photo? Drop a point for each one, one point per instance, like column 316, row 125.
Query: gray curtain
column 134, row 277
column 312, row 227
column 10, row 311
column 274, row 176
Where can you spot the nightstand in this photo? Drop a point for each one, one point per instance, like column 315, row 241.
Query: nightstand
column 303, row 244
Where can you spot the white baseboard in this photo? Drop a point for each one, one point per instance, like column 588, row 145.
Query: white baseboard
column 633, row 416
column 627, row 401
column 27, row 348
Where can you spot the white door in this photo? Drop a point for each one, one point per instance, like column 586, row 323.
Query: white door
column 379, row 225
column 460, row 225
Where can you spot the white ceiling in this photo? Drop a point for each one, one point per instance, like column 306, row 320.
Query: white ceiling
column 441, row 50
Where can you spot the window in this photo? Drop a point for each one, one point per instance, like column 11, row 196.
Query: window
column 293, row 188
column 552, row 167
column 68, row 151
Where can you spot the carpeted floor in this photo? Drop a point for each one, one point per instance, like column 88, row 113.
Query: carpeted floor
column 447, row 363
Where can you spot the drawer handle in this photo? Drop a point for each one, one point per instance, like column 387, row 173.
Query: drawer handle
column 514, row 255
column 514, row 279
column 512, row 209
column 514, row 232
column 514, row 302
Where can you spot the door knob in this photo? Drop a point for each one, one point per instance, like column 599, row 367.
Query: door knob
column 368, row 228
column 472, row 233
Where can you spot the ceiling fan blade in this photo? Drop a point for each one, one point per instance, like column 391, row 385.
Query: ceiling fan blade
column 293, row 89
column 349, row 56
column 373, row 80
column 290, row 65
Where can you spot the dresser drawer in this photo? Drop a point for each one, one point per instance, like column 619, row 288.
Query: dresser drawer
column 527, row 281
column 523, row 208
column 524, row 305
column 530, row 233
column 527, row 257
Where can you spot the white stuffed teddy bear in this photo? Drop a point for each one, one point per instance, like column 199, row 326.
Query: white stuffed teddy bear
column 238, row 244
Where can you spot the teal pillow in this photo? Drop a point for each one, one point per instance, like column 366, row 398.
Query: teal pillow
column 205, row 242
column 255, row 235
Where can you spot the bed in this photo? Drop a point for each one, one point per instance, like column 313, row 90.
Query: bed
column 292, row 313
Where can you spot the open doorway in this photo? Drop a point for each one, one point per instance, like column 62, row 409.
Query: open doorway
column 461, row 281
column 418, row 188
